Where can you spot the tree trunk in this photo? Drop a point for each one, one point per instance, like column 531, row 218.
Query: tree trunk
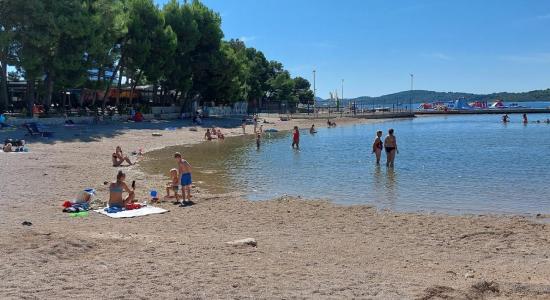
column 108, row 88
column 99, row 74
column 155, row 87
column 119, row 86
column 4, row 85
column 134, row 84
column 49, row 91
column 30, row 96
column 94, row 99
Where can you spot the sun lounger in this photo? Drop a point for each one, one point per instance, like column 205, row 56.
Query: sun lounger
column 34, row 130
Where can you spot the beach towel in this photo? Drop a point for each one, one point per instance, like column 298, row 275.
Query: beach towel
column 144, row 211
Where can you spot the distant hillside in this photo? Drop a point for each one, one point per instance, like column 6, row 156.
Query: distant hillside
column 418, row 96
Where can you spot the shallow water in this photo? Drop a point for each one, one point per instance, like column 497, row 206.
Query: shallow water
column 451, row 164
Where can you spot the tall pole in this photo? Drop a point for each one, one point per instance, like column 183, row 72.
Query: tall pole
column 342, row 91
column 314, row 94
column 412, row 88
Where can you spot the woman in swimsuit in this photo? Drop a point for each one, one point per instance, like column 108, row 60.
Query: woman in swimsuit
column 390, row 144
column 119, row 158
column 117, row 188
column 377, row 146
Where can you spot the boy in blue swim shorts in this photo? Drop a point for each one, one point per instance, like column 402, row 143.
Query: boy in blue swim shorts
column 184, row 169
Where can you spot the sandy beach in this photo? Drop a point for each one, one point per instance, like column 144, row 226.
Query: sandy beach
column 306, row 249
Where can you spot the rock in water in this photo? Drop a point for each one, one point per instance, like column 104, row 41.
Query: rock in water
column 244, row 242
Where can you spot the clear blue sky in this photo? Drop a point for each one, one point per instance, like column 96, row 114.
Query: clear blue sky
column 469, row 46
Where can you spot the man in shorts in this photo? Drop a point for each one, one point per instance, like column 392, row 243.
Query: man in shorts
column 184, row 169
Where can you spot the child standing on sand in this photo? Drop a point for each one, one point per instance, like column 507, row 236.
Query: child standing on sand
column 377, row 146
column 173, row 185
column 184, row 169
column 296, row 138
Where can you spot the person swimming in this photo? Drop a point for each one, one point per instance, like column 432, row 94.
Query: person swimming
column 208, row 135
column 312, row 129
column 220, row 135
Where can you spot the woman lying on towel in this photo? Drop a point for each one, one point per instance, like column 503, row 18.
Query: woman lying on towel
column 117, row 188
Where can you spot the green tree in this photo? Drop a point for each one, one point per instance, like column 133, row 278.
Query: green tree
column 302, row 90
column 205, row 57
column 259, row 75
column 178, row 71
column 145, row 24
column 108, row 20
column 281, row 87
column 30, row 38
column 7, row 48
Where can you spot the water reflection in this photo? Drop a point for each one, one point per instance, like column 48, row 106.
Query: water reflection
column 391, row 188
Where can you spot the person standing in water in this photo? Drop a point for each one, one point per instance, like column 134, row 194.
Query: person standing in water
column 390, row 144
column 243, row 125
column 525, row 121
column 258, row 140
column 505, row 118
column 377, row 146
column 296, row 138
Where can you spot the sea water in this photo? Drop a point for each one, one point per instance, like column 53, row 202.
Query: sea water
column 450, row 164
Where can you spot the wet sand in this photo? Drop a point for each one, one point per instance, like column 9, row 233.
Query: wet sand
column 305, row 248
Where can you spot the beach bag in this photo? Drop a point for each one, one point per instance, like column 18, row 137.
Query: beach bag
column 85, row 196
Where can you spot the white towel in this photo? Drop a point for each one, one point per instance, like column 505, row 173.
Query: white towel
column 146, row 210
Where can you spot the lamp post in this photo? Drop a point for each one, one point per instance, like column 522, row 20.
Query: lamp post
column 412, row 88
column 342, row 91
column 314, row 94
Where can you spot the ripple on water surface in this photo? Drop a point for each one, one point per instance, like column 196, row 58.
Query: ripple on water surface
column 453, row 164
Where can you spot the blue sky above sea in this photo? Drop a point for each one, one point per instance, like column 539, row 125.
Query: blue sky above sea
column 468, row 46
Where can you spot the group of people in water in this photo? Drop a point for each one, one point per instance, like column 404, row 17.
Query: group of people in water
column 389, row 145
column 506, row 119
column 214, row 133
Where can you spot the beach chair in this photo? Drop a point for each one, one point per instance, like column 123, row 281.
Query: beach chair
column 34, row 130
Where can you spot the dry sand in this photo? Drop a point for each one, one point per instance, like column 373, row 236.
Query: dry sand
column 306, row 248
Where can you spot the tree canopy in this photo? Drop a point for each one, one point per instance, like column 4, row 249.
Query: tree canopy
column 179, row 48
